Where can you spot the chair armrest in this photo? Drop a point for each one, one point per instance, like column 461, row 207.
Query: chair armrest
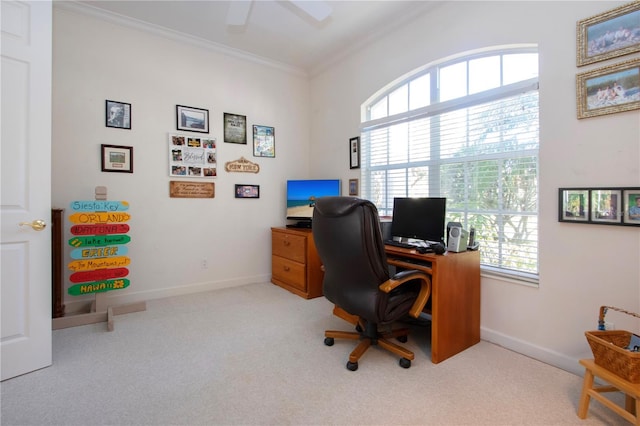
column 410, row 275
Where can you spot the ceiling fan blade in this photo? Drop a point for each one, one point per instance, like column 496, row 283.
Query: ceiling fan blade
column 318, row 10
column 238, row 12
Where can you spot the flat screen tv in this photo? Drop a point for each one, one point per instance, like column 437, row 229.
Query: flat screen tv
column 419, row 219
column 301, row 196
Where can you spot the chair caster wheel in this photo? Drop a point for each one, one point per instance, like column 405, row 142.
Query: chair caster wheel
column 402, row 339
column 353, row 366
column 405, row 363
column 328, row 341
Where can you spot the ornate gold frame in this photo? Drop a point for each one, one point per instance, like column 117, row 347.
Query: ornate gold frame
column 582, row 90
column 582, row 57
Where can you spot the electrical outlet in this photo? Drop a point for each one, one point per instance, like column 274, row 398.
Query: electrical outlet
column 609, row 326
column 205, row 265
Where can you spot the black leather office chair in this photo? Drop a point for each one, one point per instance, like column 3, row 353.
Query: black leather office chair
column 346, row 231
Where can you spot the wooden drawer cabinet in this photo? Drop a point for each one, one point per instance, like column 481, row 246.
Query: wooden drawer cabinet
column 295, row 264
column 290, row 272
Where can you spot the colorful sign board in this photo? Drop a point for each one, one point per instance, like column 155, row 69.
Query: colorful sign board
column 104, row 229
column 99, row 206
column 100, row 263
column 99, row 240
column 99, row 243
column 98, row 286
column 99, row 217
column 98, row 274
column 93, row 252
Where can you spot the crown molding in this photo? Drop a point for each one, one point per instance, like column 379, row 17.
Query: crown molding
column 115, row 18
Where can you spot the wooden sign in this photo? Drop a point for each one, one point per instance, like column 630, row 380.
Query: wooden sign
column 99, row 206
column 99, row 263
column 98, row 287
column 93, row 252
column 241, row 166
column 109, row 228
column 98, row 274
column 99, row 217
column 180, row 189
column 99, row 240
column 99, row 245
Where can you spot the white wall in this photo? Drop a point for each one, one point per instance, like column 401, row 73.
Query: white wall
column 95, row 60
column 581, row 266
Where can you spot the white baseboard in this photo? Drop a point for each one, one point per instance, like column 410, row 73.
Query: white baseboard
column 546, row 355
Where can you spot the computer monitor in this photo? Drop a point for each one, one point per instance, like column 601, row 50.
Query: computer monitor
column 302, row 196
column 419, row 218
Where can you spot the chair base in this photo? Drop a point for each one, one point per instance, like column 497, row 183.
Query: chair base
column 369, row 336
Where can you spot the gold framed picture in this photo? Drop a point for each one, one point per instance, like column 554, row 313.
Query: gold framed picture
column 608, row 90
column 609, row 35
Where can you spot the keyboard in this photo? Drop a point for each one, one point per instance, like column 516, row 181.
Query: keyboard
column 399, row 244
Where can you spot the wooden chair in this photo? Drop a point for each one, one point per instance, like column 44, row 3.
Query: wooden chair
column 615, row 384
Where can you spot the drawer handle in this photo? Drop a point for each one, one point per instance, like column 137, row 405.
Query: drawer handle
column 287, row 243
column 287, row 269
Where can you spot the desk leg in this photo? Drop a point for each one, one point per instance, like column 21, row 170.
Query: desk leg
column 584, row 396
column 632, row 404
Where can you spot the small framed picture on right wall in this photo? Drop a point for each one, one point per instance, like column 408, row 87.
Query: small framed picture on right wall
column 631, row 201
column 605, row 205
column 354, row 153
column 574, row 205
column 353, row 187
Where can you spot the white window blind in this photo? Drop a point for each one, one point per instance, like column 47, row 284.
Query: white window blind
column 478, row 150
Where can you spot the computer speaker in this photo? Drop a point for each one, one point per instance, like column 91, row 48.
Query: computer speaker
column 449, row 226
column 458, row 239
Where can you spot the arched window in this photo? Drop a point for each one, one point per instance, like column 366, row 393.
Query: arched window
column 466, row 129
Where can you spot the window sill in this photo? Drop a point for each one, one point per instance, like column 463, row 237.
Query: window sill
column 528, row 280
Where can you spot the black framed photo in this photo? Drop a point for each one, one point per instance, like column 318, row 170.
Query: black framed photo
column 354, row 153
column 235, row 128
column 115, row 158
column 247, row 191
column 192, row 119
column 264, row 141
column 574, row 205
column 631, row 201
column 606, row 205
column 118, row 114
column 600, row 206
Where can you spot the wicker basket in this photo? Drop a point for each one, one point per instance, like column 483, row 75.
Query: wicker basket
column 608, row 347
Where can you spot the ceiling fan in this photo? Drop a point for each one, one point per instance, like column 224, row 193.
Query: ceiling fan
column 239, row 10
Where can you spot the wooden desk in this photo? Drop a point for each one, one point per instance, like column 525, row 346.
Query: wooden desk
column 455, row 297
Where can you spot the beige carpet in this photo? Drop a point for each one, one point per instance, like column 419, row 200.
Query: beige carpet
column 254, row 355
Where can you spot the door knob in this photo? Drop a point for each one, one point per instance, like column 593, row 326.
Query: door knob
column 37, row 225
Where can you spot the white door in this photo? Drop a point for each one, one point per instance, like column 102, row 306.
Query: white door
column 25, row 197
